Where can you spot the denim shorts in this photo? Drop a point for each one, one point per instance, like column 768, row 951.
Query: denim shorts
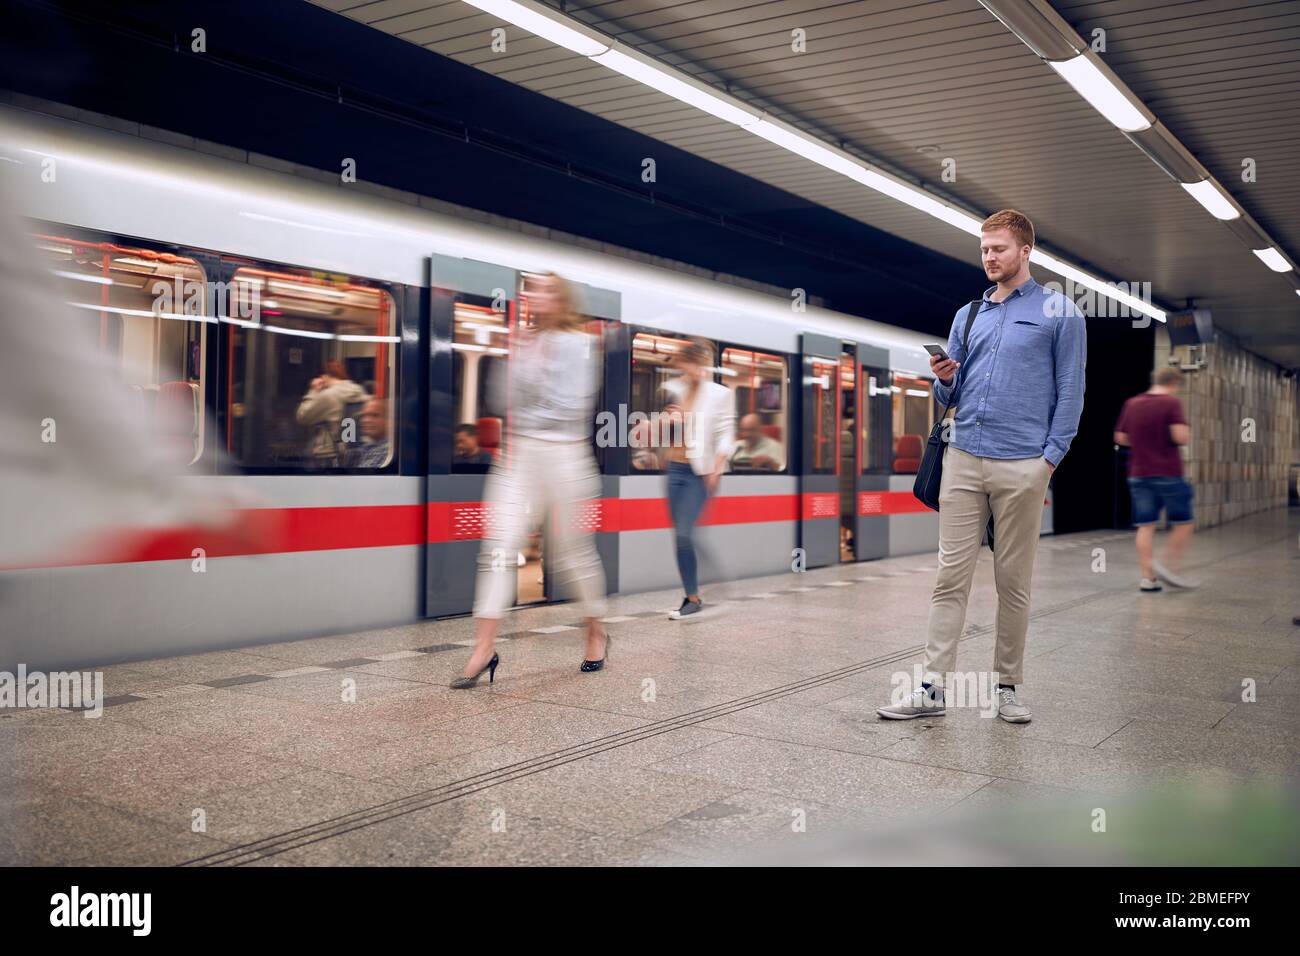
column 1150, row 494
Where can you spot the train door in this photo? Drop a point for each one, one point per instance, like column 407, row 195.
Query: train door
column 874, row 441
column 476, row 309
column 819, row 478
column 472, row 309
column 848, row 473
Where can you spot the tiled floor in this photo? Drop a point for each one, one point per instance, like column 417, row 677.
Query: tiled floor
column 748, row 736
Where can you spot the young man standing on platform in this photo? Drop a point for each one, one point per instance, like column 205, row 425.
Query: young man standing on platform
column 1020, row 395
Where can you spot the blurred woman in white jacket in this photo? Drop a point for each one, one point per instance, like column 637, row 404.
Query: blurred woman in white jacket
column 697, row 455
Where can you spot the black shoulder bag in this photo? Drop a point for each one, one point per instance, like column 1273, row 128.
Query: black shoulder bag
column 930, row 475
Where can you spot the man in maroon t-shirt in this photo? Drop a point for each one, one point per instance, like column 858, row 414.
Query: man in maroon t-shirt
column 1154, row 427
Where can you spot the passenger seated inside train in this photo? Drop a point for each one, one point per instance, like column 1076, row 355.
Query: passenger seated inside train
column 373, row 452
column 755, row 449
column 643, row 456
column 331, row 397
column 468, row 451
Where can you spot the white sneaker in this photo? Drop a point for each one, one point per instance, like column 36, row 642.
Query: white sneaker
column 1010, row 709
column 1150, row 584
column 919, row 703
column 1177, row 580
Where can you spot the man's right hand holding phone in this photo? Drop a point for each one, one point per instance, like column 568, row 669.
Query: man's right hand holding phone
column 944, row 368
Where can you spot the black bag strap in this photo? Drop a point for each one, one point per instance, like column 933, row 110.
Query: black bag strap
column 965, row 353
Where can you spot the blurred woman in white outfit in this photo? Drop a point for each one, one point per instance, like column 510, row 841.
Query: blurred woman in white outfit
column 548, row 469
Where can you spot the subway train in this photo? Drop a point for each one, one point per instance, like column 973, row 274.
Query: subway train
column 394, row 313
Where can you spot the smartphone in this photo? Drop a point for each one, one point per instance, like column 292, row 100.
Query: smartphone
column 936, row 350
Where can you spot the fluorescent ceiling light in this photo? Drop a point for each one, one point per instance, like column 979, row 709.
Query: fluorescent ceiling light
column 839, row 162
column 1106, row 98
column 304, row 333
column 1273, row 259
column 807, row 147
column 644, row 70
column 307, row 289
column 1095, row 284
column 532, row 18
column 1209, row 196
column 1084, row 75
column 82, row 277
column 142, row 313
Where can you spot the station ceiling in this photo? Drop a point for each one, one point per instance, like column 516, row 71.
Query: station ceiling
column 912, row 84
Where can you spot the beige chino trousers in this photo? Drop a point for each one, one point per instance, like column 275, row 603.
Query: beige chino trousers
column 1012, row 491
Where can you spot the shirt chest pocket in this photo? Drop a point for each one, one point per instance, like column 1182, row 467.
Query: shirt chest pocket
column 1026, row 338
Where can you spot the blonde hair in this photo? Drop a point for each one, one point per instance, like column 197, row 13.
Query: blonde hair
column 567, row 317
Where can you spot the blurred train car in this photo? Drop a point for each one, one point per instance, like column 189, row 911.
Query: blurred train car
column 225, row 291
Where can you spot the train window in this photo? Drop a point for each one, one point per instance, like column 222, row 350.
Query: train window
column 758, row 381
column 311, row 372
column 913, row 406
column 149, row 309
column 480, row 344
column 823, row 435
column 651, row 353
column 877, row 410
column 848, row 417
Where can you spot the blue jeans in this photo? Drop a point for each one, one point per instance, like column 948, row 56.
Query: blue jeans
column 1151, row 493
column 687, row 494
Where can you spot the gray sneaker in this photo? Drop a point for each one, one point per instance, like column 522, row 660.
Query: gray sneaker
column 919, row 703
column 1177, row 580
column 1010, row 709
column 688, row 608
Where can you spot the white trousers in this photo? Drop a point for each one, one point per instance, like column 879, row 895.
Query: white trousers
column 557, row 480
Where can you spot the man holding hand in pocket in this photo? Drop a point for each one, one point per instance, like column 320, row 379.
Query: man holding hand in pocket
column 1020, row 395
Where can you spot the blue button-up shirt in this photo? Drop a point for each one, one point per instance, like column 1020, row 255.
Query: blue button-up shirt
column 1020, row 388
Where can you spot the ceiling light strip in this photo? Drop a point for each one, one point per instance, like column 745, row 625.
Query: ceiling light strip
column 1048, row 35
column 549, row 24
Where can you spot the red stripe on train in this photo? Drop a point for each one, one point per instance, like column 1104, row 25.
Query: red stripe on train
column 257, row 531
column 290, row 530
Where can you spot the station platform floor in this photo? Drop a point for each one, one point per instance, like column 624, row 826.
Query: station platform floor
column 750, row 736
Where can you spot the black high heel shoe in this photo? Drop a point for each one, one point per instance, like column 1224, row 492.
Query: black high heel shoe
column 589, row 666
column 462, row 683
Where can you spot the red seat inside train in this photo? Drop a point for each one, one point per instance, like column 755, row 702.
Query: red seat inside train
column 489, row 435
column 176, row 420
column 907, row 454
